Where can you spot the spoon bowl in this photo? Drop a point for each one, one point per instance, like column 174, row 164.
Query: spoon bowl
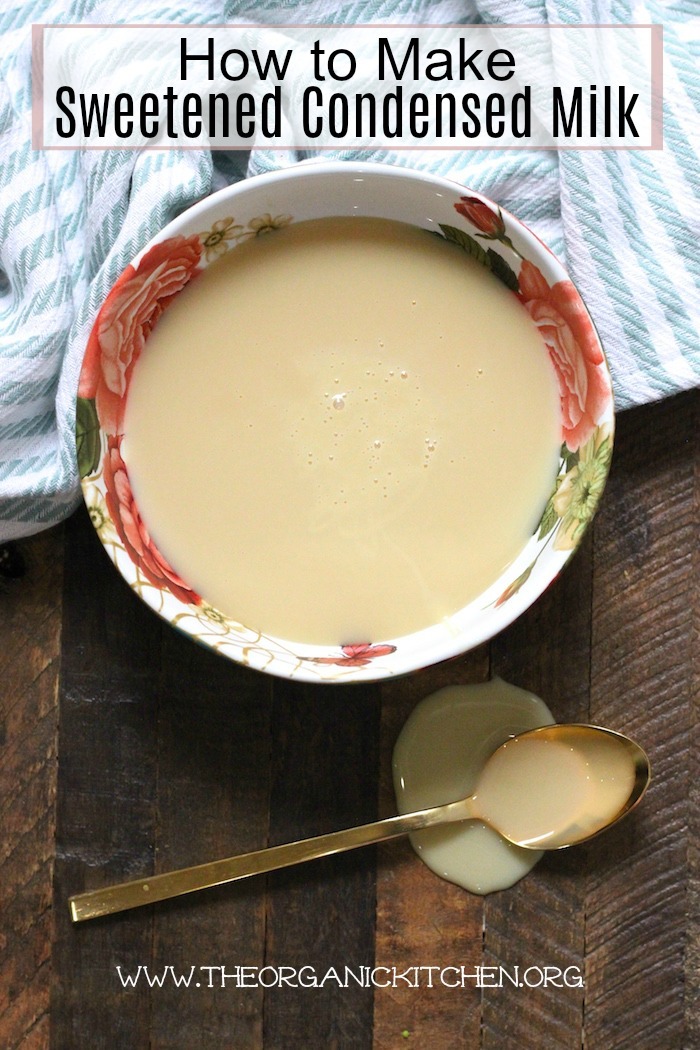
column 582, row 779
column 559, row 785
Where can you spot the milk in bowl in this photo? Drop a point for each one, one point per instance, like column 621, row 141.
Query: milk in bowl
column 340, row 439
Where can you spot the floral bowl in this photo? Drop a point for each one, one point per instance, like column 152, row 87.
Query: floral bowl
column 216, row 225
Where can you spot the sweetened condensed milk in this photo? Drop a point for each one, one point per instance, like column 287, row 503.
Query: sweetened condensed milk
column 540, row 790
column 342, row 431
column 543, row 792
column 438, row 758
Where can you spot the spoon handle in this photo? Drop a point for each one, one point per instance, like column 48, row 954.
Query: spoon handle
column 135, row 893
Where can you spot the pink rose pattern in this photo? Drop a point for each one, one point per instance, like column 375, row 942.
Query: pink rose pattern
column 127, row 317
column 584, row 384
column 358, row 655
column 123, row 324
column 482, row 216
column 132, row 529
column 566, row 328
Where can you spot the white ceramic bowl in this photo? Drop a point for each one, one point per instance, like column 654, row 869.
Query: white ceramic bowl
column 316, row 190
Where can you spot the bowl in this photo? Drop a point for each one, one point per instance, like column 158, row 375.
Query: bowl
column 230, row 217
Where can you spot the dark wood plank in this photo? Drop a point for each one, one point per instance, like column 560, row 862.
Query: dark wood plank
column 643, row 647
column 421, row 919
column 321, row 915
column 692, row 944
column 540, row 922
column 30, row 619
column 213, row 801
column 169, row 755
column 106, row 805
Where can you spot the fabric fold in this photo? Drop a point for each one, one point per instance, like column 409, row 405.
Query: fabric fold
column 627, row 223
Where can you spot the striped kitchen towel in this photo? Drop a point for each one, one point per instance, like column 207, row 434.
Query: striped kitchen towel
column 626, row 222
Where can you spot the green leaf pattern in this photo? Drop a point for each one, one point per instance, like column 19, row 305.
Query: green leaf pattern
column 491, row 259
column 500, row 268
column 87, row 437
column 574, row 499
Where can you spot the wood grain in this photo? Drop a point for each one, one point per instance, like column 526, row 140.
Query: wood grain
column 106, row 805
column 168, row 755
column 540, row 922
column 421, row 920
column 324, row 761
column 645, row 603
column 692, row 905
column 213, row 788
column 30, row 622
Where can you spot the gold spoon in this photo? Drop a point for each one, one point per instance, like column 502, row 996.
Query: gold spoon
column 548, row 788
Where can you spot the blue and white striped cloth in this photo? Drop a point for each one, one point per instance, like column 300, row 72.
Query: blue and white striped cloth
column 628, row 223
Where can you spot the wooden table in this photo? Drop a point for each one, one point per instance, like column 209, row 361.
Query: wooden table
column 125, row 748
